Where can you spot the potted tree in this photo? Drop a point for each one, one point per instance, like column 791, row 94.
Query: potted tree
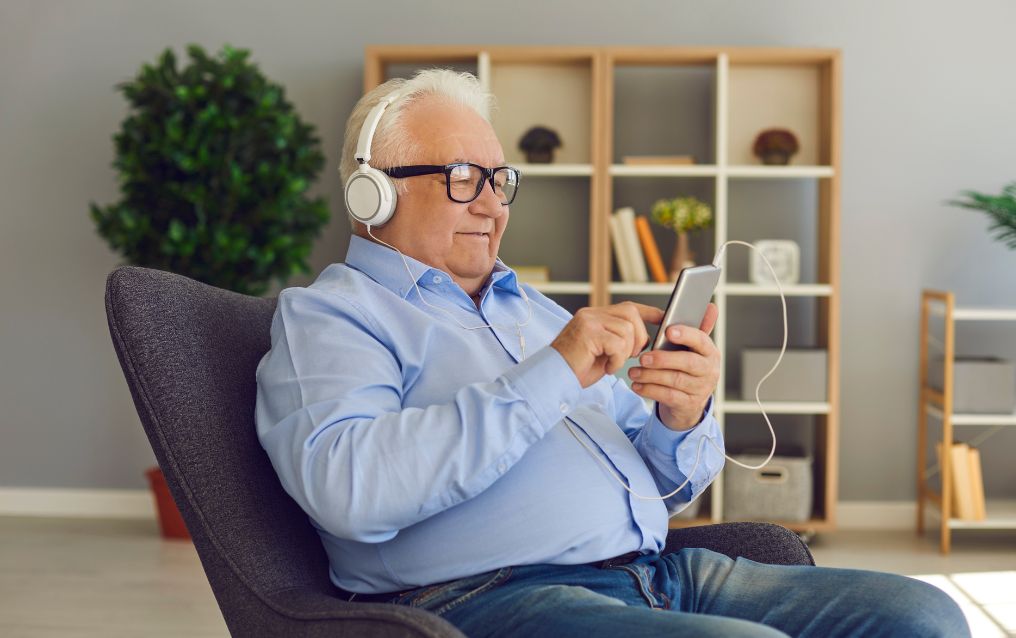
column 214, row 168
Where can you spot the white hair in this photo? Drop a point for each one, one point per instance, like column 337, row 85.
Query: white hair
column 392, row 144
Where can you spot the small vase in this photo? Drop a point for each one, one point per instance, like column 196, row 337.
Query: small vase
column 682, row 257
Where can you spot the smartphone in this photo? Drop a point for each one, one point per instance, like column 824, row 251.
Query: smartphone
column 688, row 303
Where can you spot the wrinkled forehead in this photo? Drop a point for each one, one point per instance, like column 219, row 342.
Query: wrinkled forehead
column 448, row 131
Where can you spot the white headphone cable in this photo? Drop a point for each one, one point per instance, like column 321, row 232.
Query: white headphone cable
column 698, row 453
column 518, row 326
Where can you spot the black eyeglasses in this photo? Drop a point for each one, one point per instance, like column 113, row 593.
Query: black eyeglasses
column 465, row 181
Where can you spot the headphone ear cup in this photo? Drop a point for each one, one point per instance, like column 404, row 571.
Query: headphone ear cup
column 370, row 197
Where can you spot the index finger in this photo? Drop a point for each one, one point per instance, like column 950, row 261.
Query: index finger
column 695, row 340
column 649, row 314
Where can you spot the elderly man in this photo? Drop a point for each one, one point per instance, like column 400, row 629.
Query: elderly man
column 461, row 445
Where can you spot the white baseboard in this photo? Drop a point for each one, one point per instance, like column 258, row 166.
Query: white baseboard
column 76, row 503
column 876, row 515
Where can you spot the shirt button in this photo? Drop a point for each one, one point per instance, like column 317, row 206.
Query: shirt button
column 501, row 467
column 564, row 408
column 437, row 279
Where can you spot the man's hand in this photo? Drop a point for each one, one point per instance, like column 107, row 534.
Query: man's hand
column 681, row 381
column 597, row 341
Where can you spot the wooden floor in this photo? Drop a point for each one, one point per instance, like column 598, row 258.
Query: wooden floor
column 113, row 579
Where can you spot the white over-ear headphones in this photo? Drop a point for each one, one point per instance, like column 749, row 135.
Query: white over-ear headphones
column 370, row 194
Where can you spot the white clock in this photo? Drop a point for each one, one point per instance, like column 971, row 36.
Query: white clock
column 785, row 257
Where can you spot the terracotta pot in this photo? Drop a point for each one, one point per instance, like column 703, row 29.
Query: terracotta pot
column 682, row 257
column 540, row 156
column 170, row 522
column 776, row 158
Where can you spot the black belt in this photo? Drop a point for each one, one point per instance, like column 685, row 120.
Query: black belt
column 623, row 559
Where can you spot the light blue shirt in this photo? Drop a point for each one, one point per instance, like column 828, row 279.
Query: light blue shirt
column 424, row 452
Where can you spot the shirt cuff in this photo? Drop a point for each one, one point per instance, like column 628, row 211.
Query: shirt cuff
column 548, row 384
column 666, row 440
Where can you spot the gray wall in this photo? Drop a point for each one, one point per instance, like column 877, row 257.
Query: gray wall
column 928, row 97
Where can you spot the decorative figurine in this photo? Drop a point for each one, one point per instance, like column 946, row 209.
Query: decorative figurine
column 775, row 146
column 538, row 144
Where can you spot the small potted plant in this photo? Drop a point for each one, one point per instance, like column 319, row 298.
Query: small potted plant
column 538, row 144
column 1001, row 209
column 775, row 146
column 682, row 214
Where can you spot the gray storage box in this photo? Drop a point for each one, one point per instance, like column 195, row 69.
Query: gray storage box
column 781, row 491
column 981, row 385
column 801, row 376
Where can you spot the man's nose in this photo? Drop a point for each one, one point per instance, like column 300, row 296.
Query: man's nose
column 487, row 203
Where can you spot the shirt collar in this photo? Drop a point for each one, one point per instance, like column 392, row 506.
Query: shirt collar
column 385, row 266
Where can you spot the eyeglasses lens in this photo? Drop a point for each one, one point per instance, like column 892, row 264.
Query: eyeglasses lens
column 465, row 182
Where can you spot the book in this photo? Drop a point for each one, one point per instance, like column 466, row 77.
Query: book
column 531, row 274
column 656, row 160
column 633, row 250
column 977, row 484
column 962, row 501
column 651, row 250
column 620, row 249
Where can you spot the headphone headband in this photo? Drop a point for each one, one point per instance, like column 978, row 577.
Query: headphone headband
column 370, row 125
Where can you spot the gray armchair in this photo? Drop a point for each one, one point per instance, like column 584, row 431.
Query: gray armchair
column 189, row 352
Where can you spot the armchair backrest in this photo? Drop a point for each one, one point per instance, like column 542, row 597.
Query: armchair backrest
column 189, row 352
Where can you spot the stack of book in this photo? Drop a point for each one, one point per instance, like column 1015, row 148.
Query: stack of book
column 967, row 482
column 635, row 248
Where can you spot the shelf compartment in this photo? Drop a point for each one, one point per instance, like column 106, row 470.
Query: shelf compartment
column 664, row 110
column 973, row 419
column 554, row 170
column 775, row 407
column 780, row 172
column 763, row 97
column 558, row 96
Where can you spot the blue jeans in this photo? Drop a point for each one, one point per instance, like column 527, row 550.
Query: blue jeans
column 701, row 593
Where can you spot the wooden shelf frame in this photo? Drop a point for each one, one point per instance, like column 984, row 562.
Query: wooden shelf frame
column 602, row 171
column 939, row 404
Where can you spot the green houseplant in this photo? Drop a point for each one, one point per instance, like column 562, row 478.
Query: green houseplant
column 1001, row 209
column 214, row 167
column 681, row 214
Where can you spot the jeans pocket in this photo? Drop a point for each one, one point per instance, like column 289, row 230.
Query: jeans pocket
column 439, row 599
